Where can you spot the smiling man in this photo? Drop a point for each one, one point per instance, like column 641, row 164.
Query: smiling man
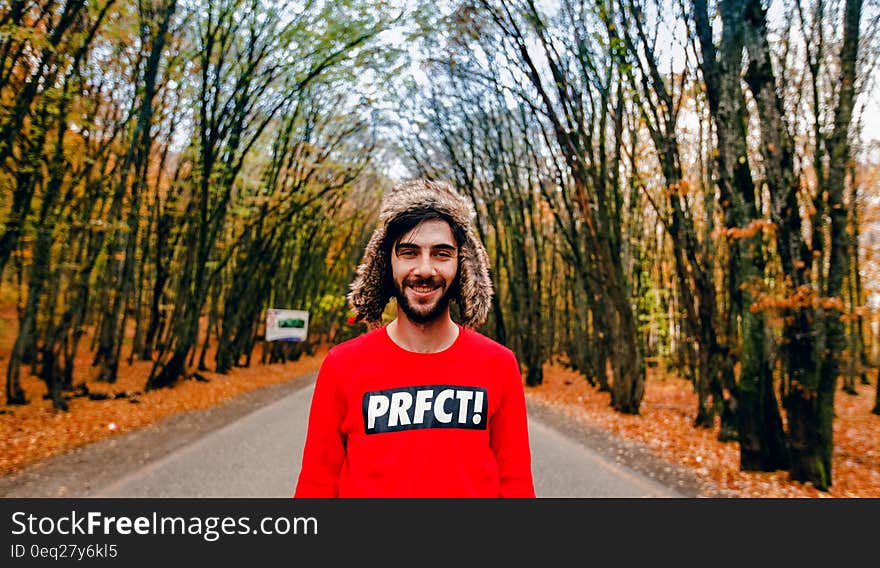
column 422, row 406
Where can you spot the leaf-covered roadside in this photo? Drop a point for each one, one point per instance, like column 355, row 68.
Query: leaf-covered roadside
column 665, row 425
column 35, row 431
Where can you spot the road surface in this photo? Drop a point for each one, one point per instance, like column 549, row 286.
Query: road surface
column 255, row 452
column 258, row 456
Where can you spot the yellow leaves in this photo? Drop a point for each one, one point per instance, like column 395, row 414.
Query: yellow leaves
column 831, row 304
column 680, row 188
column 750, row 230
column 856, row 313
column 684, row 187
column 802, row 297
column 862, row 311
column 803, row 392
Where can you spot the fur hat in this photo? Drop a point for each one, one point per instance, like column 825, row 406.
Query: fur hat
column 368, row 297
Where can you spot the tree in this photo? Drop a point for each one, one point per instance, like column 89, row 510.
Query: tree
column 753, row 398
column 243, row 46
column 813, row 332
column 579, row 138
column 155, row 21
column 42, row 167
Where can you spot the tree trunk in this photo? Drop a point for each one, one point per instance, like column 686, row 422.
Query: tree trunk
column 876, row 409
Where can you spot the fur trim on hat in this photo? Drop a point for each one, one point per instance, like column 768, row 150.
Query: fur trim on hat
column 474, row 298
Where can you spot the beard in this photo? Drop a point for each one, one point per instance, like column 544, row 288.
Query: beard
column 422, row 313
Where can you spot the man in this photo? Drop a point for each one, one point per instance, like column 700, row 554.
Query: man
column 422, row 406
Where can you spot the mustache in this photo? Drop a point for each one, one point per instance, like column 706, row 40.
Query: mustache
column 429, row 281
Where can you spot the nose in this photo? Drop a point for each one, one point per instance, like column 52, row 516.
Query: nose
column 424, row 266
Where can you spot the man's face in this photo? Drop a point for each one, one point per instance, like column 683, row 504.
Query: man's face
column 424, row 264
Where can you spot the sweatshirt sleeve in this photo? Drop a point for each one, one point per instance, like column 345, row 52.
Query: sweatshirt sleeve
column 324, row 450
column 510, row 435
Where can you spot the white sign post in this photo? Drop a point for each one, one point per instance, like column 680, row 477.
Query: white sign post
column 286, row 325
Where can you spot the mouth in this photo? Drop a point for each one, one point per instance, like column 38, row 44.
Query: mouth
column 423, row 291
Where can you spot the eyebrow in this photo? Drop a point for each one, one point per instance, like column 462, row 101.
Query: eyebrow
column 441, row 246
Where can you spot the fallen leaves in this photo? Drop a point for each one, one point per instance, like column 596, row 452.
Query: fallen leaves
column 35, row 431
column 665, row 426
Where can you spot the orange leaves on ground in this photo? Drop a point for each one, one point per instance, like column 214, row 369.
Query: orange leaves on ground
column 665, row 425
column 35, row 431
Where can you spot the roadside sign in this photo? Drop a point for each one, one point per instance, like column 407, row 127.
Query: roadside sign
column 286, row 325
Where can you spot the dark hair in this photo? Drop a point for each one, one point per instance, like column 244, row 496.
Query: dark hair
column 404, row 223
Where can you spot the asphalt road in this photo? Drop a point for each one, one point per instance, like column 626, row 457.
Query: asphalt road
column 251, row 447
column 258, row 456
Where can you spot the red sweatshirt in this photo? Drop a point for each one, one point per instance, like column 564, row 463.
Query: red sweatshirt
column 387, row 422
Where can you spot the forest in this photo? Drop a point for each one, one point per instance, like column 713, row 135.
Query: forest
column 685, row 185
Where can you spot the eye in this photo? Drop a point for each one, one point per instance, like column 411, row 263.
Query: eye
column 406, row 253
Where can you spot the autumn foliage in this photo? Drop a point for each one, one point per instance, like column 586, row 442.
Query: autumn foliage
column 665, row 426
column 36, row 431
